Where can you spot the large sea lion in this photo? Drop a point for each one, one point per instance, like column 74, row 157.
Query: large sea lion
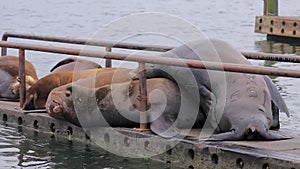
column 74, row 64
column 9, row 77
column 60, row 101
column 37, row 94
column 240, row 106
column 118, row 105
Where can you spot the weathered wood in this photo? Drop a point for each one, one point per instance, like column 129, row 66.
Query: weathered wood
column 278, row 25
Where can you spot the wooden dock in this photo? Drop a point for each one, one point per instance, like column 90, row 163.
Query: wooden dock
column 283, row 154
column 275, row 26
column 287, row 26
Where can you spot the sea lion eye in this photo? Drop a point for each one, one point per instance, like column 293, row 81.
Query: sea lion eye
column 261, row 109
column 68, row 93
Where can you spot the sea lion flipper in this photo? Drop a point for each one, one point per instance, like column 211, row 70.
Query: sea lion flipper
column 233, row 135
column 224, row 136
column 29, row 102
column 164, row 126
column 275, row 135
column 207, row 99
column 152, row 71
column 276, row 97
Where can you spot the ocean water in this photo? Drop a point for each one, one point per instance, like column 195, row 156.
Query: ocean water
column 29, row 149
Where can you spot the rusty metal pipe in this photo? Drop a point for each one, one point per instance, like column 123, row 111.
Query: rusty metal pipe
column 248, row 55
column 89, row 42
column 160, row 60
column 4, row 49
column 143, row 96
column 22, row 76
column 274, row 57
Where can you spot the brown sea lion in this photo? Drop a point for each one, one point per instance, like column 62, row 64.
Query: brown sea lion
column 118, row 105
column 36, row 96
column 74, row 63
column 239, row 106
column 60, row 103
column 9, row 77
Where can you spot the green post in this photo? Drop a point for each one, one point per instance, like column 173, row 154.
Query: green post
column 271, row 7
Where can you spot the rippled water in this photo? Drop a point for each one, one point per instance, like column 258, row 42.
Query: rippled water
column 31, row 150
column 232, row 21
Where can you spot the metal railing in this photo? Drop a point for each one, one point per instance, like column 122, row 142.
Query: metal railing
column 122, row 45
column 141, row 59
column 108, row 45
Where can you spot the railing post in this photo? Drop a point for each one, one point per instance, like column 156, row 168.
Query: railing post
column 271, row 7
column 22, row 76
column 143, row 96
column 108, row 61
column 4, row 49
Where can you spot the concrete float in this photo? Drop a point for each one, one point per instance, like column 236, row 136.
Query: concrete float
column 283, row 154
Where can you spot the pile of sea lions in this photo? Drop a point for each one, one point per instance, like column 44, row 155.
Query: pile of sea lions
column 239, row 106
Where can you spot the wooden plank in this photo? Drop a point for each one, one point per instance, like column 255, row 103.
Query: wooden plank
column 287, row 26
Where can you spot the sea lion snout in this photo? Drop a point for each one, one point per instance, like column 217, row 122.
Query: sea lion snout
column 255, row 131
column 54, row 105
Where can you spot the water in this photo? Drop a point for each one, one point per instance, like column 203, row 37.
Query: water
column 30, row 150
column 232, row 21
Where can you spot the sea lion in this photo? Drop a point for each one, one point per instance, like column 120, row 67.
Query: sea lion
column 74, row 63
column 60, row 102
column 118, row 105
column 37, row 94
column 9, row 77
column 240, row 106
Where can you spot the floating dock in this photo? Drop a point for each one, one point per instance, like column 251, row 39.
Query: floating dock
column 277, row 27
column 283, row 154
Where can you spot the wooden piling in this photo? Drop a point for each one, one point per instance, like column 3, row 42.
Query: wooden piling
column 271, row 7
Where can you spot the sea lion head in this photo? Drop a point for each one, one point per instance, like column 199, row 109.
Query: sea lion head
column 54, row 104
column 248, row 112
column 12, row 87
column 60, row 104
column 15, row 85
